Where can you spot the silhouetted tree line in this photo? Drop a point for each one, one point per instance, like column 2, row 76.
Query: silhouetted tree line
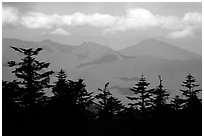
column 72, row 110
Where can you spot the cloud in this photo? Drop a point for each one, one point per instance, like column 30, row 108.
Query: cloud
column 134, row 19
column 9, row 15
column 137, row 18
column 36, row 20
column 140, row 19
column 60, row 31
column 180, row 34
column 192, row 17
column 96, row 19
column 190, row 23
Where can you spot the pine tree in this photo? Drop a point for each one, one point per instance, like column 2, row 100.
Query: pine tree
column 70, row 97
column 83, row 99
column 161, row 96
column 177, row 103
column 191, row 92
column 192, row 111
column 189, row 83
column 110, row 106
column 143, row 97
column 61, row 85
column 32, row 77
column 60, row 102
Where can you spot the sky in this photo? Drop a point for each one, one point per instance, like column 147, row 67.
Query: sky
column 115, row 24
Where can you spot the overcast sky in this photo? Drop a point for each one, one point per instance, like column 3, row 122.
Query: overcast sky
column 117, row 25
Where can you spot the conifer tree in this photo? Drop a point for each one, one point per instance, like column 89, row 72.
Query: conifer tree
column 82, row 98
column 70, row 97
column 177, row 103
column 110, row 106
column 190, row 86
column 191, row 92
column 61, row 85
column 143, row 97
column 161, row 96
column 192, row 110
column 61, row 102
column 32, row 76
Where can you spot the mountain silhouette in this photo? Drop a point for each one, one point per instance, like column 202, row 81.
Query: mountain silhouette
column 160, row 49
column 98, row 64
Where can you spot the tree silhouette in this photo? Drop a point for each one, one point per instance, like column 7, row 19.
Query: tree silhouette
column 161, row 96
column 177, row 103
column 191, row 92
column 71, row 98
column 83, row 99
column 143, row 97
column 61, row 85
column 32, row 77
column 191, row 113
column 61, row 101
column 11, row 95
column 189, row 83
column 110, row 106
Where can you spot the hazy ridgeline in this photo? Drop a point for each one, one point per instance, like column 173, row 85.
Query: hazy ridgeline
column 72, row 110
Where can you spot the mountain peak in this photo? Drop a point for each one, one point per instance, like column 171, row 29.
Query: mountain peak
column 154, row 42
column 159, row 49
column 89, row 43
column 94, row 45
column 47, row 41
column 149, row 40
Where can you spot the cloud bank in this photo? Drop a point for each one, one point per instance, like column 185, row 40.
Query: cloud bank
column 135, row 19
column 10, row 15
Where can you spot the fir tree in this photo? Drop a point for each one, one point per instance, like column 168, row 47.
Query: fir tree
column 191, row 92
column 177, row 103
column 190, row 86
column 110, row 106
column 61, row 85
column 70, row 97
column 161, row 96
column 192, row 110
column 143, row 97
column 32, row 76
column 82, row 98
column 61, row 102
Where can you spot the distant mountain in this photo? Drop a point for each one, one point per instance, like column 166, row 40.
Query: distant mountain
column 72, row 54
column 160, row 49
column 91, row 51
column 67, row 55
column 126, row 72
column 60, row 55
column 98, row 64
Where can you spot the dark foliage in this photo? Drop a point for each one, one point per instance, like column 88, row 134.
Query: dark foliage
column 32, row 77
column 161, row 96
column 177, row 103
column 72, row 110
column 143, row 97
column 191, row 92
column 82, row 98
column 11, row 96
column 109, row 105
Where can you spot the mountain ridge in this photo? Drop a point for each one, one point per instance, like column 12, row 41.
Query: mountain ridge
column 130, row 51
column 98, row 65
column 157, row 48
